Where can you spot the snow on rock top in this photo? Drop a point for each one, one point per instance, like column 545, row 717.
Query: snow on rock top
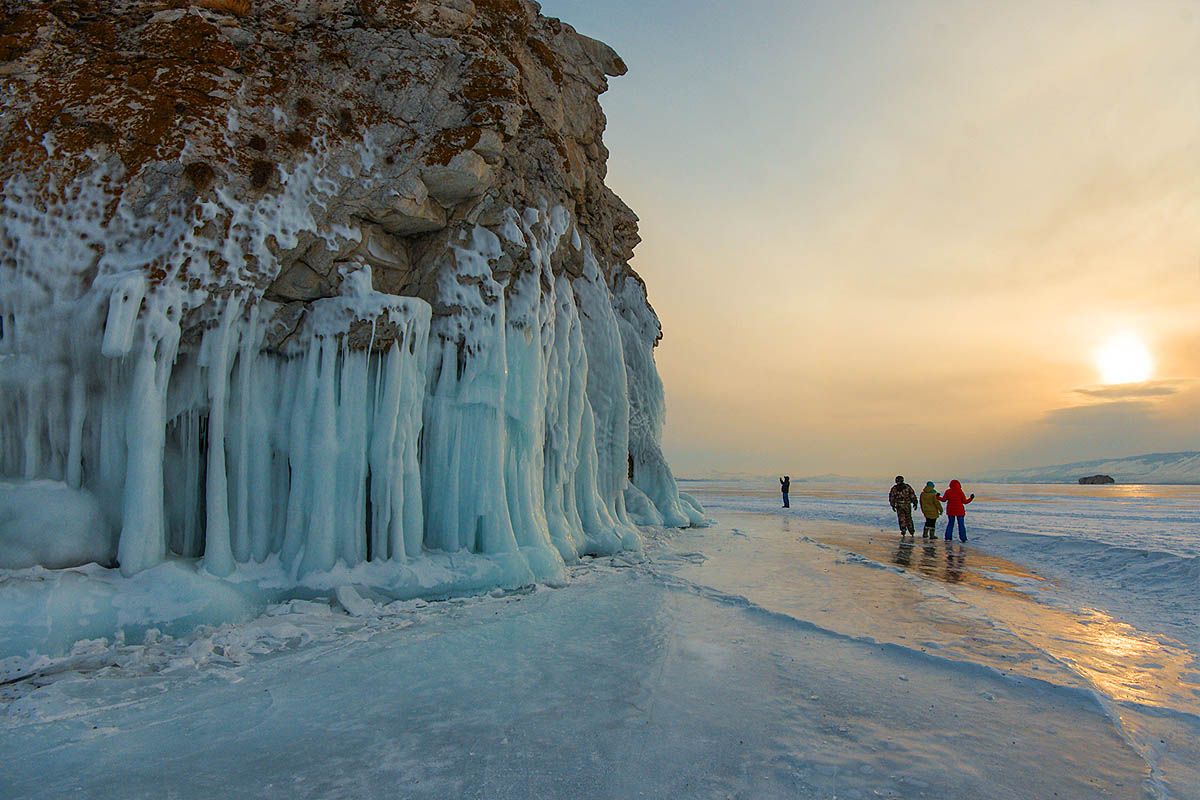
column 321, row 284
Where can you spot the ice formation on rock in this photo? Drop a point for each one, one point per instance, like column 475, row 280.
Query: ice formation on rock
column 311, row 320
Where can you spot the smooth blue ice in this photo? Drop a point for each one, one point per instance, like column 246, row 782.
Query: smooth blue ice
column 742, row 660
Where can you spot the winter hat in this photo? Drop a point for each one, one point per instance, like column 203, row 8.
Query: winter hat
column 928, row 484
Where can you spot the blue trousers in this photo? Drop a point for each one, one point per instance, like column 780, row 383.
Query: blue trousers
column 786, row 504
column 962, row 528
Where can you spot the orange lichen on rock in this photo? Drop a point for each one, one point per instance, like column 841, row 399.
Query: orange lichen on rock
column 547, row 57
column 133, row 100
column 387, row 12
column 239, row 8
column 450, row 142
column 203, row 100
column 18, row 31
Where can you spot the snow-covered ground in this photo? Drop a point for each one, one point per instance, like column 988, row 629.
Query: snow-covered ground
column 772, row 655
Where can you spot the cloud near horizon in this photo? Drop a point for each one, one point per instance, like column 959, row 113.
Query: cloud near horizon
column 1148, row 389
column 1113, row 428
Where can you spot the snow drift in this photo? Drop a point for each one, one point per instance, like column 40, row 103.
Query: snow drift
column 320, row 286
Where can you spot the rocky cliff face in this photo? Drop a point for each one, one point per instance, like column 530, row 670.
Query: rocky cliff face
column 328, row 280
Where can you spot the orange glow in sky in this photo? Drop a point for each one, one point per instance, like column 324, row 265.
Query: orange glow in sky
column 901, row 237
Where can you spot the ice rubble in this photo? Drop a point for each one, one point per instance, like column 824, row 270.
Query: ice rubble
column 521, row 426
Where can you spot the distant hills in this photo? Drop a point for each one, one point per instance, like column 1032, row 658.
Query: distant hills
column 1159, row 468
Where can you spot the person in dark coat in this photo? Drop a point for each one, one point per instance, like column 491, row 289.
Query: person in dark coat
column 903, row 500
column 785, row 485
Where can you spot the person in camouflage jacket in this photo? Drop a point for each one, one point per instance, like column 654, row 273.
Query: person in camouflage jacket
column 903, row 500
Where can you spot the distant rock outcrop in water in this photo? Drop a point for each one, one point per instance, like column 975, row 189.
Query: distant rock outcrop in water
column 1097, row 480
column 328, row 280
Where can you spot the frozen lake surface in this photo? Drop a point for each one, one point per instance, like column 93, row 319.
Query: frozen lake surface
column 1133, row 551
column 772, row 655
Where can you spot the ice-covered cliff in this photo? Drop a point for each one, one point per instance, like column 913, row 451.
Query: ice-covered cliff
column 315, row 283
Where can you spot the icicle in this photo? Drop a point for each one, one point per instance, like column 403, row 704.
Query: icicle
column 219, row 344
column 465, row 494
column 604, row 439
column 266, row 469
column 501, row 430
column 143, row 536
column 413, row 354
column 123, row 307
column 350, row 470
column 110, row 478
column 525, row 421
column 33, row 429
column 652, row 477
column 302, row 388
column 319, row 478
column 249, row 391
column 567, row 376
column 283, row 383
column 440, row 478
column 386, row 451
column 75, row 450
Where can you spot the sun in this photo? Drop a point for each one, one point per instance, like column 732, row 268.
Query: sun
column 1124, row 359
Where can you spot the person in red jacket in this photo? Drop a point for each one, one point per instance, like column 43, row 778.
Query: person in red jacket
column 956, row 509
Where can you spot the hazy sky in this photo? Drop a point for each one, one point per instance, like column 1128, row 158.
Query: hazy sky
column 889, row 236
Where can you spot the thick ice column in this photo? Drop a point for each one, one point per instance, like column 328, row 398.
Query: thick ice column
column 109, row 479
column 507, row 434
column 412, row 352
column 607, row 395
column 300, row 386
column 143, row 536
column 218, row 345
column 354, row 421
column 123, row 306
column 350, row 473
column 566, row 404
column 440, row 478
column 530, row 322
column 463, row 471
column 652, row 476
column 387, row 505
column 251, row 446
column 319, row 477
column 396, row 511
column 35, row 394
column 78, row 404
column 184, row 462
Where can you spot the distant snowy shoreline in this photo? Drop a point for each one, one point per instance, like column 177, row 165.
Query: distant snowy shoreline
column 1152, row 469
column 1156, row 469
